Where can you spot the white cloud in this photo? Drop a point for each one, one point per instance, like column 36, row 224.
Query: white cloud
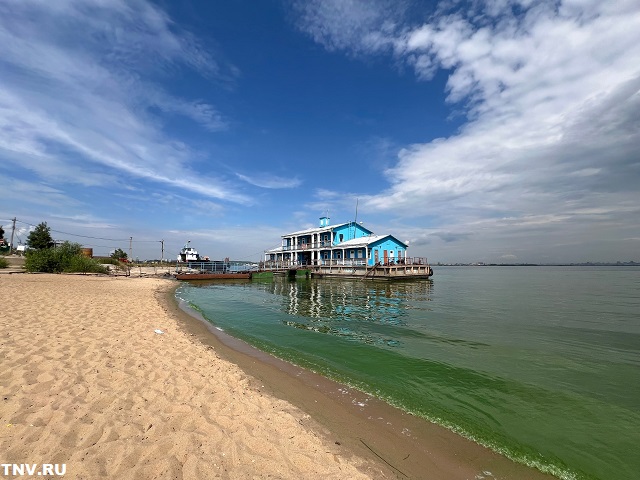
column 567, row 102
column 357, row 26
column 266, row 180
column 552, row 98
column 37, row 193
column 76, row 102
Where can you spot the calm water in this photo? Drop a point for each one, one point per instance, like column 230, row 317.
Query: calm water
column 540, row 364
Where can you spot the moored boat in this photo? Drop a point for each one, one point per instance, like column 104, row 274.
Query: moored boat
column 192, row 266
column 190, row 254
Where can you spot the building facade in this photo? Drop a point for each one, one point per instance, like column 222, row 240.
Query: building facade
column 343, row 244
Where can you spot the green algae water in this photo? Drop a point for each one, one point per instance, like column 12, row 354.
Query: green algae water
column 541, row 364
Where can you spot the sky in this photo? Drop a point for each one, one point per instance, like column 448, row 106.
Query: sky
column 491, row 131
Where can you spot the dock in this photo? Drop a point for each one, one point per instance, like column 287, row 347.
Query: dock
column 416, row 268
column 412, row 268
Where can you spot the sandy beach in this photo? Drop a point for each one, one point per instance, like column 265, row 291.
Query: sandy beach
column 110, row 378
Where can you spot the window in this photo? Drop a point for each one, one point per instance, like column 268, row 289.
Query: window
column 341, row 237
column 352, row 254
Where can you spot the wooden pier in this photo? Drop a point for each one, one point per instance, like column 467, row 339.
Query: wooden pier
column 414, row 268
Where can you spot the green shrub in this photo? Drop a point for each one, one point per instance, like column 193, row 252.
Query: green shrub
column 82, row 264
column 3, row 263
column 64, row 258
column 45, row 260
column 67, row 250
column 110, row 261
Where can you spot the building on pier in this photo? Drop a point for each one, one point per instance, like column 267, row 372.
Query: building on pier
column 343, row 244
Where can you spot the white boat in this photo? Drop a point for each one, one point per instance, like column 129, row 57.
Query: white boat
column 190, row 254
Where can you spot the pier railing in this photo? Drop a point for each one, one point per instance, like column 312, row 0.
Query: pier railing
column 342, row 262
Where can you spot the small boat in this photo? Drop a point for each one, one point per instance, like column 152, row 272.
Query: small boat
column 190, row 254
column 191, row 266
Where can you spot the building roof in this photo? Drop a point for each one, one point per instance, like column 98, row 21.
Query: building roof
column 361, row 241
column 366, row 241
column 314, row 230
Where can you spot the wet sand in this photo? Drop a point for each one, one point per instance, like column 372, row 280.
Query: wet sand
column 87, row 382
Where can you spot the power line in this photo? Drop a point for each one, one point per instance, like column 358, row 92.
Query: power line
column 82, row 236
column 86, row 236
column 93, row 238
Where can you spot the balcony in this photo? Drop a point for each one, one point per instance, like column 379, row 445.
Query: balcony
column 308, row 246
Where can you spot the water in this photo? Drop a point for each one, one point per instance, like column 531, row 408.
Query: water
column 541, row 364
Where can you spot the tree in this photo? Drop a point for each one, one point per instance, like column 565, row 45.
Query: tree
column 40, row 237
column 118, row 254
column 1, row 232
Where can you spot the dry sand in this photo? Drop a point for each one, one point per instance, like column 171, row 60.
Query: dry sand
column 87, row 382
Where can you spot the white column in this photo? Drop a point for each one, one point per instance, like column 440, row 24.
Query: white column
column 294, row 251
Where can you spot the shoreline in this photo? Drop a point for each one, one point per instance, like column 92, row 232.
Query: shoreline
column 88, row 381
column 405, row 445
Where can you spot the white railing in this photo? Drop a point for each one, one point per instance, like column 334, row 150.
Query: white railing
column 309, row 246
column 343, row 262
column 348, row 262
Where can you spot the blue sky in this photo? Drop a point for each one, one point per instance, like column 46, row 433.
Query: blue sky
column 495, row 131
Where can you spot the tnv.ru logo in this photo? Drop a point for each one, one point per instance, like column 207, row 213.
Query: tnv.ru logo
column 17, row 469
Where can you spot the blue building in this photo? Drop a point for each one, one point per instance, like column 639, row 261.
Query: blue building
column 344, row 244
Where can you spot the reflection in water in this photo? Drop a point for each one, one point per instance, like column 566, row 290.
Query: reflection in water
column 353, row 309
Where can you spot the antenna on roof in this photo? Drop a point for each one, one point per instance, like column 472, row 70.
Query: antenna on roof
column 355, row 221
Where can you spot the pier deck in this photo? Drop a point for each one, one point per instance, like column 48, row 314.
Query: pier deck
column 411, row 269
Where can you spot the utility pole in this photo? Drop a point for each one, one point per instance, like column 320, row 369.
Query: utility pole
column 162, row 256
column 13, row 230
column 130, row 254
